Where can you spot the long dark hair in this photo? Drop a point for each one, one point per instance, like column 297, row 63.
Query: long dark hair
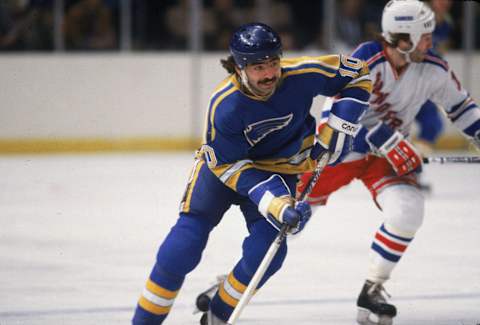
column 229, row 64
column 396, row 38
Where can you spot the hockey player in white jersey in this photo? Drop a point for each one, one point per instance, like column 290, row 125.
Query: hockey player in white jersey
column 405, row 73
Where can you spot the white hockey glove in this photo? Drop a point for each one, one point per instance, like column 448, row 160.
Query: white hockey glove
column 277, row 205
column 391, row 144
column 342, row 125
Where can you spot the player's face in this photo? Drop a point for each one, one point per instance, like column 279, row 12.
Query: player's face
column 263, row 77
column 423, row 46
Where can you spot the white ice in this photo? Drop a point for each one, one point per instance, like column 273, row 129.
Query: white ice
column 79, row 235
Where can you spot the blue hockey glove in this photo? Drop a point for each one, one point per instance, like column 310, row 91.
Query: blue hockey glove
column 277, row 205
column 305, row 212
column 391, row 144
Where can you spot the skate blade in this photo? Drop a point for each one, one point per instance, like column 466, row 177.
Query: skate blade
column 366, row 317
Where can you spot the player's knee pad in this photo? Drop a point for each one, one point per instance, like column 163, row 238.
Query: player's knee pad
column 403, row 206
column 181, row 251
column 256, row 245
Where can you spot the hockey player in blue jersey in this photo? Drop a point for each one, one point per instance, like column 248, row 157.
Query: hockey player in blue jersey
column 259, row 137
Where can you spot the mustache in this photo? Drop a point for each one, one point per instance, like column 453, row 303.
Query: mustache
column 267, row 80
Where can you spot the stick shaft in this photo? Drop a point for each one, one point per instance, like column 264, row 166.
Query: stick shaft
column 248, row 293
column 452, row 160
column 272, row 251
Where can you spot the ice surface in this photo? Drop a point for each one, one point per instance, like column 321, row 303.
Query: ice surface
column 79, row 234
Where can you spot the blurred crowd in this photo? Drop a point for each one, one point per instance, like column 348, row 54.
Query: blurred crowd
column 164, row 24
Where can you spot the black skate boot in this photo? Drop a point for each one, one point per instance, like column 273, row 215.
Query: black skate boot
column 202, row 303
column 210, row 319
column 373, row 308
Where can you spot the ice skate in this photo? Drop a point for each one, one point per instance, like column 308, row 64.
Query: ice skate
column 209, row 319
column 373, row 308
column 202, row 303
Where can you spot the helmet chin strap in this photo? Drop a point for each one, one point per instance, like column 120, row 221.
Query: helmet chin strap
column 414, row 38
column 406, row 53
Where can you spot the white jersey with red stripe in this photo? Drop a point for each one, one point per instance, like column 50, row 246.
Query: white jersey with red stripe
column 396, row 99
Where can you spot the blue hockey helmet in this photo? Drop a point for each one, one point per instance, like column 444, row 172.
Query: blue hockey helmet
column 254, row 42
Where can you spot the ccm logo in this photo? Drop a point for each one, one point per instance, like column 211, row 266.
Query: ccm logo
column 349, row 128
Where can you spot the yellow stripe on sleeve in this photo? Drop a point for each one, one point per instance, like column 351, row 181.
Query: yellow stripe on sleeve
column 364, row 84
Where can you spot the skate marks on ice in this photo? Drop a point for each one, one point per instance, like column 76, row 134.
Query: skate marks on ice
column 79, row 233
column 260, row 307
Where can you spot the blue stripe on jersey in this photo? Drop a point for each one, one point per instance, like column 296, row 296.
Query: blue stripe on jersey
column 472, row 129
column 466, row 109
column 386, row 255
column 382, row 228
column 435, row 59
column 458, row 110
column 310, row 65
column 438, row 64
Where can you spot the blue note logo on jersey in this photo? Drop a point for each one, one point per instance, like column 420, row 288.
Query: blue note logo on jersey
column 259, row 130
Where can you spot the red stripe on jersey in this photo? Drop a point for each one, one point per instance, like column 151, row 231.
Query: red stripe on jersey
column 374, row 58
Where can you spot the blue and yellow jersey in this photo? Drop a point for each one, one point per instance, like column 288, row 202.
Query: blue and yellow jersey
column 247, row 138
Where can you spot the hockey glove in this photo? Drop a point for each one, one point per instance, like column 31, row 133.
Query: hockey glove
column 277, row 205
column 391, row 144
column 336, row 135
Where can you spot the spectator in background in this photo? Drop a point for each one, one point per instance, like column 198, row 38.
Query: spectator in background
column 443, row 24
column 89, row 26
column 354, row 22
column 281, row 19
column 221, row 18
column 349, row 24
column 26, row 25
column 176, row 23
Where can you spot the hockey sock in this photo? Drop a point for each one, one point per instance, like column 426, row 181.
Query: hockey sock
column 386, row 250
column 255, row 247
column 157, row 297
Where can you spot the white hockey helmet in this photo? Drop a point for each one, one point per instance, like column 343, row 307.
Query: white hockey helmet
column 411, row 17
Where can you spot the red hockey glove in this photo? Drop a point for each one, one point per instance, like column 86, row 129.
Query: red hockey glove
column 391, row 144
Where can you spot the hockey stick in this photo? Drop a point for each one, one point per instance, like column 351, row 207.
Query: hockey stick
column 453, row 160
column 267, row 259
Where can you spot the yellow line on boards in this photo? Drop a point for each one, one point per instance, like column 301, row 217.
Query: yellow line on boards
column 83, row 145
column 139, row 144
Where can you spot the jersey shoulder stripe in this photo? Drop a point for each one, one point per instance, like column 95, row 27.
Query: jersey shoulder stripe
column 225, row 89
column 376, row 59
column 326, row 65
column 367, row 50
column 435, row 59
